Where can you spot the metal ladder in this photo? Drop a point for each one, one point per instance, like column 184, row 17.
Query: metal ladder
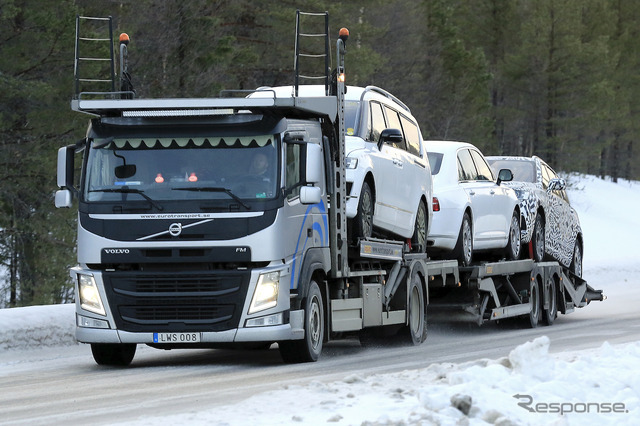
column 98, row 66
column 312, row 50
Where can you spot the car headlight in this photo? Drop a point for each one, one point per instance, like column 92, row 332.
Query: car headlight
column 351, row 163
column 89, row 296
column 266, row 293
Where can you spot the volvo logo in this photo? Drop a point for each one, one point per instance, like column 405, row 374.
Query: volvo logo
column 175, row 229
column 116, row 251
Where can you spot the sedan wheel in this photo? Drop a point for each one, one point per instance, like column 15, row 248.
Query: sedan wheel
column 537, row 239
column 513, row 244
column 463, row 251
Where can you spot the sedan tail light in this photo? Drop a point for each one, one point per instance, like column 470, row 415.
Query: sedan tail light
column 436, row 204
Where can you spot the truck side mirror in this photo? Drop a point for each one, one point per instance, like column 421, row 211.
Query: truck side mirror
column 65, row 176
column 313, row 173
column 504, row 175
column 63, row 198
column 390, row 136
column 310, row 195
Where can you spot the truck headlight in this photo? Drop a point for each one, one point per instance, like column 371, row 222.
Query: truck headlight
column 266, row 293
column 89, row 296
column 351, row 163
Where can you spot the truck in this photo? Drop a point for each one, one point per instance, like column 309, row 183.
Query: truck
column 220, row 222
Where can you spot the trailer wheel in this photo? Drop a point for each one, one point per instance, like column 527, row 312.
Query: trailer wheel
column 550, row 314
column 115, row 354
column 534, row 301
column 416, row 330
column 310, row 347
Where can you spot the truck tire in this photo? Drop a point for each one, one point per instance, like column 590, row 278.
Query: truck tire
column 419, row 239
column 549, row 315
column 309, row 348
column 415, row 331
column 535, row 302
column 115, row 354
column 512, row 250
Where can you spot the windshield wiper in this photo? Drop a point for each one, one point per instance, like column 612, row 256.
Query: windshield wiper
column 214, row 189
column 127, row 190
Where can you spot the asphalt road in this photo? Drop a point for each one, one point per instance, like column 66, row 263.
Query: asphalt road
column 64, row 385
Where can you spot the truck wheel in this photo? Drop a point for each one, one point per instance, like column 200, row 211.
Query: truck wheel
column 512, row 250
column 534, row 301
column 463, row 251
column 116, row 354
column 416, row 330
column 419, row 239
column 310, row 347
column 537, row 240
column 363, row 221
column 549, row 315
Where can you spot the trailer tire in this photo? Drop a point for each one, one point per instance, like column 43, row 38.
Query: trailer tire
column 535, row 302
column 549, row 315
column 113, row 354
column 415, row 332
column 309, row 348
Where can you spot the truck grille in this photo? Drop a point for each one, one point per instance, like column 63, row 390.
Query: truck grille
column 174, row 302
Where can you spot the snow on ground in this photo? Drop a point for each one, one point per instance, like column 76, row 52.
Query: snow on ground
column 529, row 386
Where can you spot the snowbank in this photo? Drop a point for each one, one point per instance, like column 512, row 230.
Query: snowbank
column 36, row 326
column 530, row 386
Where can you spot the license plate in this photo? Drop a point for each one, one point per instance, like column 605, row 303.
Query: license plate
column 176, row 337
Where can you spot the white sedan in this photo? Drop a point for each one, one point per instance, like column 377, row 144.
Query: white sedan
column 472, row 211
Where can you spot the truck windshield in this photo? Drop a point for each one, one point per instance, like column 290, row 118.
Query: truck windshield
column 166, row 169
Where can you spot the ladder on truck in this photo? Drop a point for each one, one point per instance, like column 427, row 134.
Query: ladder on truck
column 312, row 46
column 94, row 65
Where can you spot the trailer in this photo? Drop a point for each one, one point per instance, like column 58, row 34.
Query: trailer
column 492, row 291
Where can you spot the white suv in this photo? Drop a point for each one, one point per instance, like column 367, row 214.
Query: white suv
column 388, row 173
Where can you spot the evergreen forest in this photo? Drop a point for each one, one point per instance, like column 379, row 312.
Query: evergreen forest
column 553, row 78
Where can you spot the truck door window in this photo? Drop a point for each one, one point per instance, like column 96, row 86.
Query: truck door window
column 293, row 170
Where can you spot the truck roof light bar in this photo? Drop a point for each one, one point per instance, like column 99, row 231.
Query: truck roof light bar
column 177, row 113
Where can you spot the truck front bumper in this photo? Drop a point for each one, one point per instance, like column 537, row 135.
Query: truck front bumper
column 294, row 330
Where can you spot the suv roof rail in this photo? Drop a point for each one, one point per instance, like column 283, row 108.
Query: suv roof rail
column 386, row 95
